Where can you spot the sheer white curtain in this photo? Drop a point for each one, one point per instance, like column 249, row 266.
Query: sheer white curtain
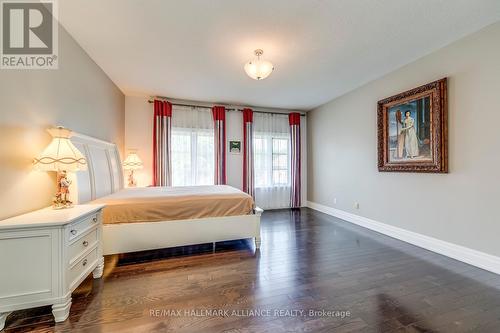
column 272, row 160
column 192, row 146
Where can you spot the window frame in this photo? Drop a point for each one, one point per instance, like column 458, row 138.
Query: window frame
column 278, row 167
column 270, row 153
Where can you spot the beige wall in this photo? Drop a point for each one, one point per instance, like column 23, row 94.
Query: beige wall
column 460, row 207
column 78, row 95
column 139, row 135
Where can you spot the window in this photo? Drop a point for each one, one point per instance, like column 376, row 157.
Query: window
column 192, row 157
column 280, row 161
column 271, row 154
column 192, row 146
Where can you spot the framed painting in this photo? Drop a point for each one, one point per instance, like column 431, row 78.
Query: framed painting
column 235, row 147
column 413, row 130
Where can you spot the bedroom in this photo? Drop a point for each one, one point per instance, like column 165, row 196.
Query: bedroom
column 323, row 166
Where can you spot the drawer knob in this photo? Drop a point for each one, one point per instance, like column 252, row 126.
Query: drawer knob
column 85, row 243
column 84, row 263
column 73, row 232
column 94, row 219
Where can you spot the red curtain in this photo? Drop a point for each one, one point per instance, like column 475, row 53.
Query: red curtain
column 162, row 147
column 295, row 191
column 248, row 167
column 219, row 115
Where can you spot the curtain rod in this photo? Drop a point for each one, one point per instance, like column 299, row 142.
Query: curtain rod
column 228, row 109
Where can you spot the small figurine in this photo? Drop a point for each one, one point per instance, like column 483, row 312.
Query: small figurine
column 131, row 181
column 62, row 197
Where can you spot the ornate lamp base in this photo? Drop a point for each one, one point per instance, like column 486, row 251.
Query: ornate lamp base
column 61, row 200
column 62, row 205
column 131, row 181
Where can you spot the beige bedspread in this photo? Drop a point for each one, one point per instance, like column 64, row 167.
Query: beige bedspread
column 151, row 204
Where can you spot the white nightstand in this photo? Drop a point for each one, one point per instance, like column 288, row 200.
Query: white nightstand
column 45, row 255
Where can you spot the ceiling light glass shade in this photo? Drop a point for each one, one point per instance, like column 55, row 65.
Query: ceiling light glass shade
column 60, row 154
column 258, row 69
column 132, row 162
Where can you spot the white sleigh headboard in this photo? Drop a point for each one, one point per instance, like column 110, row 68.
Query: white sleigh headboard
column 104, row 169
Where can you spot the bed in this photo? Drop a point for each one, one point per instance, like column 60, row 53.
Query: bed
column 137, row 219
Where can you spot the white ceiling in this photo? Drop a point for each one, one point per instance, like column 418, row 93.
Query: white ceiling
column 195, row 50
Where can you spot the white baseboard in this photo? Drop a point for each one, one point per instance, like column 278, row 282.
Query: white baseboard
column 472, row 257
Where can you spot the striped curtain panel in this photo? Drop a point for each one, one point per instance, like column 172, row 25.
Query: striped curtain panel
column 248, row 167
column 162, row 145
column 219, row 115
column 295, row 195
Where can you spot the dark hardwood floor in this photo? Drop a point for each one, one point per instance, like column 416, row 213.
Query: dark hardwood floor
column 308, row 261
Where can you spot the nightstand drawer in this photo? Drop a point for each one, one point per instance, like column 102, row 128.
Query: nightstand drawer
column 86, row 242
column 82, row 267
column 76, row 229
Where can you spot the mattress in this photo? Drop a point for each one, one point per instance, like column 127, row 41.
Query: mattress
column 152, row 204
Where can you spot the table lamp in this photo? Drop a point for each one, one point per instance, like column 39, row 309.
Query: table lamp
column 62, row 157
column 132, row 163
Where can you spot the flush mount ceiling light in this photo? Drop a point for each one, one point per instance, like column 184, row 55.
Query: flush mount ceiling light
column 258, row 69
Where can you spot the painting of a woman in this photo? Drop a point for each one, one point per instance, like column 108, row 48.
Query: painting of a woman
column 409, row 131
column 410, row 135
column 412, row 130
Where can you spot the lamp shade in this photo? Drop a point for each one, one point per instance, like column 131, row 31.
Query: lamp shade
column 258, row 69
column 60, row 154
column 132, row 162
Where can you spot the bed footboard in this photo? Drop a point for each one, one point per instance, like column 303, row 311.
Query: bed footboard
column 140, row 236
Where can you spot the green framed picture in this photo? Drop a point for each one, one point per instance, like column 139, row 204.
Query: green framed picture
column 235, row 147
